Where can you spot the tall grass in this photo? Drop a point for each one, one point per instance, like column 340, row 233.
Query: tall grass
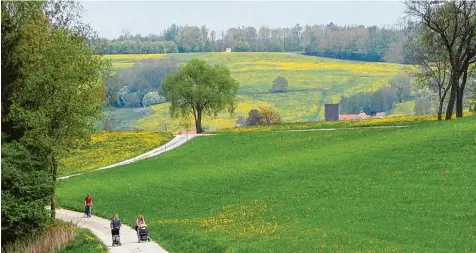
column 62, row 237
column 57, row 237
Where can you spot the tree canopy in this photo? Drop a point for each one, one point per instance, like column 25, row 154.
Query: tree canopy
column 200, row 88
column 51, row 100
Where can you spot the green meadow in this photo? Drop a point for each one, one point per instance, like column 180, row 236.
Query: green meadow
column 349, row 190
column 313, row 82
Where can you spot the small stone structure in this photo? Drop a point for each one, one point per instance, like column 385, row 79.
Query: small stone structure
column 228, row 50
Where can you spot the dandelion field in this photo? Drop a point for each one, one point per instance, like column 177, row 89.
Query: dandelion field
column 313, row 82
column 349, row 190
column 107, row 148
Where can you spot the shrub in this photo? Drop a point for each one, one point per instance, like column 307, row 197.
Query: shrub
column 152, row 98
column 269, row 115
column 254, row 118
column 264, row 116
column 279, row 85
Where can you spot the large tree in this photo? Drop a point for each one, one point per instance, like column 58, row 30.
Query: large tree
column 200, row 88
column 451, row 25
column 56, row 101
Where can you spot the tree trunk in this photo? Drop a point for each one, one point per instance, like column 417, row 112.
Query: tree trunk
column 198, row 122
column 451, row 103
column 440, row 109
column 54, row 171
column 459, row 95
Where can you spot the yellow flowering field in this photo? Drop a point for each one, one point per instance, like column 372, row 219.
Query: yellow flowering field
column 121, row 61
column 313, row 82
column 388, row 121
column 107, row 148
column 161, row 116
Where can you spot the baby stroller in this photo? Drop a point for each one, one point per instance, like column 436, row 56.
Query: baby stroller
column 116, row 238
column 143, row 233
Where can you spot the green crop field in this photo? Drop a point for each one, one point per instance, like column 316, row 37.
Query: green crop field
column 349, row 190
column 312, row 81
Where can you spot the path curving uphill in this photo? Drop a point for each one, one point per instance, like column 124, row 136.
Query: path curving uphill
column 100, row 227
column 178, row 140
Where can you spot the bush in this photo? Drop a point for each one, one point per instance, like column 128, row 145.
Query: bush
column 152, row 98
column 26, row 191
column 279, row 85
column 269, row 115
column 264, row 116
column 254, row 118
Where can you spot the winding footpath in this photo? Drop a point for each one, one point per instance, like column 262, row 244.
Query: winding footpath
column 100, row 226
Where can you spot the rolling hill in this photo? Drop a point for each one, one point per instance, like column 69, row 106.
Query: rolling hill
column 312, row 81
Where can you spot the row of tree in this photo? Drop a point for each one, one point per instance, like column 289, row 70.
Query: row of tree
column 343, row 42
column 52, row 92
column 444, row 47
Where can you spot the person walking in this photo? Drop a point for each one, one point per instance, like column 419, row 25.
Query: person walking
column 140, row 220
column 115, row 228
column 88, row 204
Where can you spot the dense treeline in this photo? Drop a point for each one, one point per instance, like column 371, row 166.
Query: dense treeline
column 382, row 100
column 343, row 42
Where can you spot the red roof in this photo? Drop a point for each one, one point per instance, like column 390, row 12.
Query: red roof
column 348, row 116
column 193, row 131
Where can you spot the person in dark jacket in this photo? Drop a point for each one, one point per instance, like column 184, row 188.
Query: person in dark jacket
column 116, row 222
column 115, row 227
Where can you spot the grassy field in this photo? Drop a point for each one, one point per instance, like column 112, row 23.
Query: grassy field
column 107, row 148
column 350, row 190
column 403, row 109
column 312, row 81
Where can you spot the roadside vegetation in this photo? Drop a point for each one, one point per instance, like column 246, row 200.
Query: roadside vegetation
column 62, row 237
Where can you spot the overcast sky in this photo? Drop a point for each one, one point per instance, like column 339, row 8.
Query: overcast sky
column 109, row 17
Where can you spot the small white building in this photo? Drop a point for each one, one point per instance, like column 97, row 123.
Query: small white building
column 228, row 50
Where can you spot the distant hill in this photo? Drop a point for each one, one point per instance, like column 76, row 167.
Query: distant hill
column 312, row 82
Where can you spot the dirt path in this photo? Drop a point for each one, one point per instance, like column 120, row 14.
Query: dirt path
column 100, row 227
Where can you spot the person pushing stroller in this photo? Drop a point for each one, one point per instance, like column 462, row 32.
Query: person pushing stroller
column 115, row 228
column 142, row 230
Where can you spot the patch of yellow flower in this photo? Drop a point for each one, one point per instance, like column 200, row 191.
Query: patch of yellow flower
column 137, row 57
column 240, row 220
column 107, row 148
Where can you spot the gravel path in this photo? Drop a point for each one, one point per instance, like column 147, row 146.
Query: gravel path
column 100, row 227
